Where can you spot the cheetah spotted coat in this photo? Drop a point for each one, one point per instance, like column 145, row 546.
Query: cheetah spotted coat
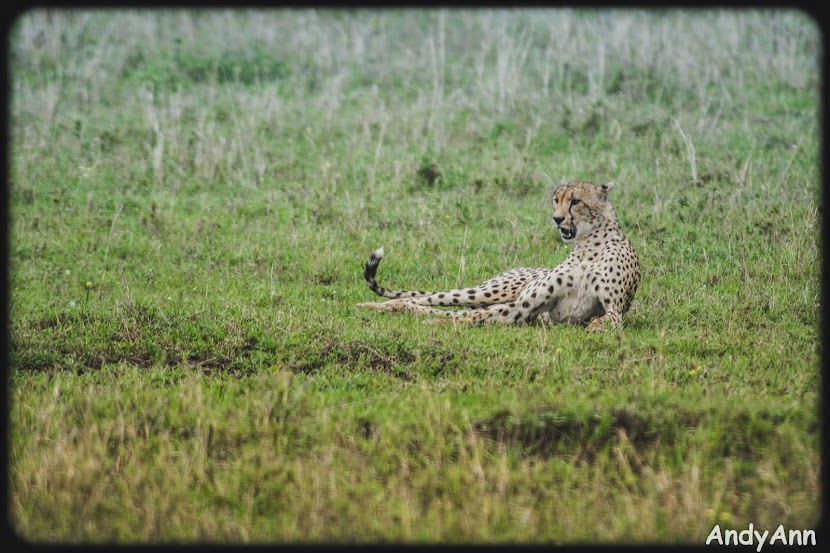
column 595, row 284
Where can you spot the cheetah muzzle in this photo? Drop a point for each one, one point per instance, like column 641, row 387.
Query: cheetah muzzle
column 594, row 285
column 567, row 233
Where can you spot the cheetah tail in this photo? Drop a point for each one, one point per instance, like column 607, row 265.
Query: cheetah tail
column 370, row 272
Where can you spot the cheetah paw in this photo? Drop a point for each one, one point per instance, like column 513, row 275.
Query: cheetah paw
column 596, row 325
column 436, row 321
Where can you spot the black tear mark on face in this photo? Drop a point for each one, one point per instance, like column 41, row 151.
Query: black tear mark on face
column 574, row 202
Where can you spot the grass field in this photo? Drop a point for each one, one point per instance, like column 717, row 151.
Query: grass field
column 193, row 197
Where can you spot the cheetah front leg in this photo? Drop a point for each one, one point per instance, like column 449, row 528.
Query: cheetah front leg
column 613, row 311
column 611, row 319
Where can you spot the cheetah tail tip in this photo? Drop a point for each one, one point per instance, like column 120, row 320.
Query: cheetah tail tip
column 370, row 271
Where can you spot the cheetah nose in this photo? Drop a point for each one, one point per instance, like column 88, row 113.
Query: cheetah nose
column 558, row 220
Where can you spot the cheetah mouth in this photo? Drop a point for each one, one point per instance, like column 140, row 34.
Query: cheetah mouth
column 567, row 233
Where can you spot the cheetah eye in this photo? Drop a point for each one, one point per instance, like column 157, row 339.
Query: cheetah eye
column 575, row 201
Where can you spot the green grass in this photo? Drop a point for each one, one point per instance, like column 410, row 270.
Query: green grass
column 190, row 218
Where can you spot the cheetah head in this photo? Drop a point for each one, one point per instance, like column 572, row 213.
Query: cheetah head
column 579, row 208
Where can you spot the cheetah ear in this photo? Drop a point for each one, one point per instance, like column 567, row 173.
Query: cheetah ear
column 605, row 188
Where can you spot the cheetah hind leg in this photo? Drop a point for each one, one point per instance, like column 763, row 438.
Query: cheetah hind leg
column 463, row 316
column 407, row 305
column 391, row 306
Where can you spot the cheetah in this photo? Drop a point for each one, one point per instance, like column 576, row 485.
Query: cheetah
column 594, row 285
